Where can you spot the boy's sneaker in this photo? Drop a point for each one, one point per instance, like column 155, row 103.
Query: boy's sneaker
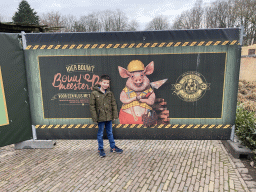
column 116, row 150
column 102, row 153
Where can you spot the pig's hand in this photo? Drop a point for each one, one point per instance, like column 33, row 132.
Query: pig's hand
column 124, row 98
column 138, row 98
column 150, row 100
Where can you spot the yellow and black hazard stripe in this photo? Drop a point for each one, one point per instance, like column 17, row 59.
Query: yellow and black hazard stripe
column 133, row 126
column 132, row 45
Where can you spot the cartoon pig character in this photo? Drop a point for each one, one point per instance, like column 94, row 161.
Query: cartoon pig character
column 137, row 96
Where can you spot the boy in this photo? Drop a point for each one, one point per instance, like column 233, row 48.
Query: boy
column 103, row 110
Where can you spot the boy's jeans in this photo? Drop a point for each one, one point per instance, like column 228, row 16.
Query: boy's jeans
column 108, row 128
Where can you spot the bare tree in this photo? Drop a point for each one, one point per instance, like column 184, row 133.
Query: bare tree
column 120, row 21
column 133, row 25
column 233, row 13
column 90, row 22
column 220, row 15
column 246, row 14
column 78, row 27
column 113, row 20
column 107, row 22
column 62, row 23
column 4, row 19
column 190, row 19
column 158, row 23
column 52, row 19
column 179, row 22
column 196, row 15
column 69, row 23
column 231, row 20
column 183, row 21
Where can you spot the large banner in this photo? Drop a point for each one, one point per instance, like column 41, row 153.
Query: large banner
column 15, row 120
column 167, row 84
column 66, row 88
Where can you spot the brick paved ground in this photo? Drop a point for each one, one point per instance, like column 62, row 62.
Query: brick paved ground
column 145, row 165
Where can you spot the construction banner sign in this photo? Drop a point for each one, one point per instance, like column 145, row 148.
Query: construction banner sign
column 179, row 84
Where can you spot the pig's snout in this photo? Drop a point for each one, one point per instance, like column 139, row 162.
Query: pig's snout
column 138, row 81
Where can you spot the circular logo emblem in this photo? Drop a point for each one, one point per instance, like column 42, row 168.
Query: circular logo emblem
column 190, row 86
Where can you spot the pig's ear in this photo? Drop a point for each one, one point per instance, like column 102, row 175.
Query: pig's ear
column 149, row 68
column 123, row 72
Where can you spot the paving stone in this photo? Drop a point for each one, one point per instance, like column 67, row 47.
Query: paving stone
column 216, row 184
column 190, row 189
column 185, row 189
column 206, row 188
column 196, row 187
column 74, row 165
column 176, row 186
column 211, row 186
column 166, row 185
column 251, row 184
column 231, row 184
column 242, row 170
column 178, row 180
column 246, row 177
column 181, row 186
column 239, row 165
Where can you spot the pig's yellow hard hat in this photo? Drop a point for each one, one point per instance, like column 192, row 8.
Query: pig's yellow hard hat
column 135, row 65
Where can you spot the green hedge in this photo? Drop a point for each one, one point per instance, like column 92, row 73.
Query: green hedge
column 245, row 126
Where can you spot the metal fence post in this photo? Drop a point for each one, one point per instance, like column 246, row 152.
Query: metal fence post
column 241, row 35
column 24, row 42
column 34, row 132
column 232, row 136
column 24, row 45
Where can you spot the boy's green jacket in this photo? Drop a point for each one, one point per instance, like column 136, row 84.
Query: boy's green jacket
column 102, row 106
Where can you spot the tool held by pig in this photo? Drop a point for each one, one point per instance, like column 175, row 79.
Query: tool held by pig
column 154, row 85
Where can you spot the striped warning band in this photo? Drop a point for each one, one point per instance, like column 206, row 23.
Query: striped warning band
column 132, row 45
column 131, row 126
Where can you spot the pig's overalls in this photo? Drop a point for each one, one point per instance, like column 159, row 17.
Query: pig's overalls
column 137, row 86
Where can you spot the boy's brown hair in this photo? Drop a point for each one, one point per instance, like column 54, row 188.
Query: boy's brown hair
column 104, row 77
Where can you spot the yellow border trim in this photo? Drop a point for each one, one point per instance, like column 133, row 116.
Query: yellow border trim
column 131, row 126
column 135, row 55
column 5, row 106
column 134, row 45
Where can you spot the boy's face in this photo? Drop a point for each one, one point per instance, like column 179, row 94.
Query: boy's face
column 104, row 84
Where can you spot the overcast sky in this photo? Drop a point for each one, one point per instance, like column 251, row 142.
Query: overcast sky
column 141, row 10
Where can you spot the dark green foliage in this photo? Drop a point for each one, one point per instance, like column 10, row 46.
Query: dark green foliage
column 25, row 14
column 245, row 127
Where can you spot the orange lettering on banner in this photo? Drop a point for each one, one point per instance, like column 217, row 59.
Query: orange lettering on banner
column 74, row 82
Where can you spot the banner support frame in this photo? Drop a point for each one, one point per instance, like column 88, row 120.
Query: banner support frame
column 24, row 45
column 232, row 135
column 34, row 132
column 33, row 143
column 241, row 35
